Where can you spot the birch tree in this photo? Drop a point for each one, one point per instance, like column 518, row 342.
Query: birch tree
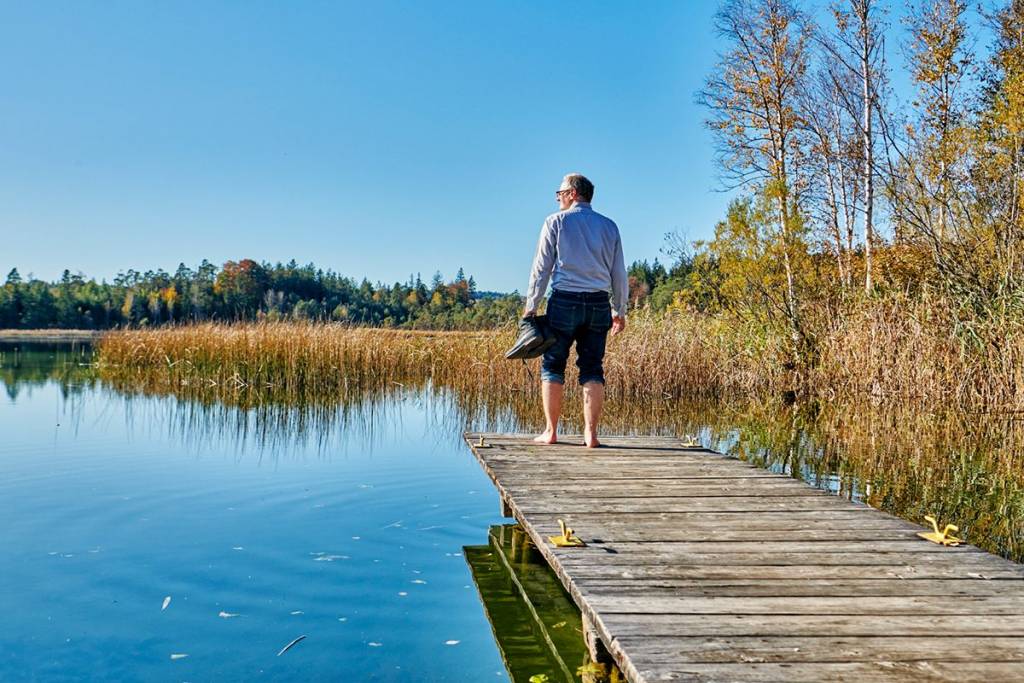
column 829, row 116
column 858, row 46
column 752, row 99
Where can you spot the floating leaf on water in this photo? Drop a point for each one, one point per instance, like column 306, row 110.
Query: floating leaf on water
column 227, row 615
column 290, row 645
column 402, row 593
column 329, row 558
column 298, row 611
column 342, row 618
column 451, row 642
column 179, row 656
column 167, row 601
column 418, row 581
column 374, row 644
column 539, row 678
column 593, row 668
column 560, row 624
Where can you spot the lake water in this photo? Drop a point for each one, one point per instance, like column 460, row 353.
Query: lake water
column 349, row 523
column 351, row 535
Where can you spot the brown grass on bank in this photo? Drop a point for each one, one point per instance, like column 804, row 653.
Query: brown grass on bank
column 888, row 351
column 923, row 351
column 657, row 357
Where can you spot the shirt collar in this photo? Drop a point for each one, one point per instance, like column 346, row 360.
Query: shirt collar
column 582, row 205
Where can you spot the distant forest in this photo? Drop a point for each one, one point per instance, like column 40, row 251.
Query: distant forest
column 247, row 290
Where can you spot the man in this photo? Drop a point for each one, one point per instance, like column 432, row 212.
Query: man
column 580, row 251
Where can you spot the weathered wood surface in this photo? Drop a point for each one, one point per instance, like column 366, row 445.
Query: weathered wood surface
column 701, row 567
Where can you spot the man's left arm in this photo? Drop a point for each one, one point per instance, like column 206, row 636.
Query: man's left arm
column 620, row 288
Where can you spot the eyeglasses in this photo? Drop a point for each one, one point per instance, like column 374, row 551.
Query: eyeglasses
column 559, row 193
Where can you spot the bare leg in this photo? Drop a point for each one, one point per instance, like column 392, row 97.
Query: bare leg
column 552, row 392
column 593, row 401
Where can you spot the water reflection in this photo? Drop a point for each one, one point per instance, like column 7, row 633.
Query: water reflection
column 138, row 529
column 536, row 625
column 25, row 366
column 963, row 468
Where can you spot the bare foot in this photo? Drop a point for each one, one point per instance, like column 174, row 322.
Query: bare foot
column 547, row 437
column 590, row 438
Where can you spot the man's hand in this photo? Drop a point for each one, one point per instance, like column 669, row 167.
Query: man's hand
column 529, row 314
column 618, row 324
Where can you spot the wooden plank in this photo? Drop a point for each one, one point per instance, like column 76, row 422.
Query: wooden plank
column 673, row 527
column 664, row 603
column 746, row 505
column 704, row 567
column 822, row 648
column 968, row 558
column 800, row 625
column 845, row 587
column 776, row 572
column 779, row 520
column 861, row 672
column 828, row 545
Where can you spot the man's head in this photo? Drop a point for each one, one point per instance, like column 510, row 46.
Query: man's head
column 574, row 188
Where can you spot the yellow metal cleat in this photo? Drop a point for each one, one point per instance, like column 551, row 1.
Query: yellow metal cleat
column 568, row 539
column 691, row 442
column 941, row 537
column 482, row 444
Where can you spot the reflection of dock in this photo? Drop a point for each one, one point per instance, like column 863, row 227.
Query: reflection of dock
column 703, row 567
column 536, row 625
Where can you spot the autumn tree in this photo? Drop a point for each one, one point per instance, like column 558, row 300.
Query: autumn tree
column 830, row 118
column 241, row 285
column 752, row 100
column 998, row 173
column 858, row 47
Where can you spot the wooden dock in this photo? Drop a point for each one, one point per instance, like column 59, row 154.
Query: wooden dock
column 702, row 567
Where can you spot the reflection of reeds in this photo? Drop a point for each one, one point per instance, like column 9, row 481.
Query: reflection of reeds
column 963, row 468
column 966, row 470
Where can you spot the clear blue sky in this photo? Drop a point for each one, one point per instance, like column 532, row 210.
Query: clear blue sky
column 376, row 139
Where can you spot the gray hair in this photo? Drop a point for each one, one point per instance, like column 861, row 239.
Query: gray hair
column 584, row 188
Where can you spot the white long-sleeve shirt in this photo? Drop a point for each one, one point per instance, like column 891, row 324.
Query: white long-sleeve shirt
column 579, row 251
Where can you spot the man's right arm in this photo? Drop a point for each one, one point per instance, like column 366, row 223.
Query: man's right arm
column 543, row 265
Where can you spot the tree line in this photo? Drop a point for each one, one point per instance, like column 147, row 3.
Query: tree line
column 247, row 290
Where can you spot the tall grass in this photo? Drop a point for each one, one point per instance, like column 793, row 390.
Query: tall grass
column 923, row 351
column 658, row 357
column 895, row 350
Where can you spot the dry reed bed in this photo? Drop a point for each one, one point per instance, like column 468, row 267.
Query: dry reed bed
column 890, row 351
column 922, row 352
column 657, row 358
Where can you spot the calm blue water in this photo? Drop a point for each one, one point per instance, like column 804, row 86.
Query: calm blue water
column 348, row 531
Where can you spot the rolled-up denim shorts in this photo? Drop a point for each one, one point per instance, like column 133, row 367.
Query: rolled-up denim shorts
column 584, row 318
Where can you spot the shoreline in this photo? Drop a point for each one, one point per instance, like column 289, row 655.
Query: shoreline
column 49, row 335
